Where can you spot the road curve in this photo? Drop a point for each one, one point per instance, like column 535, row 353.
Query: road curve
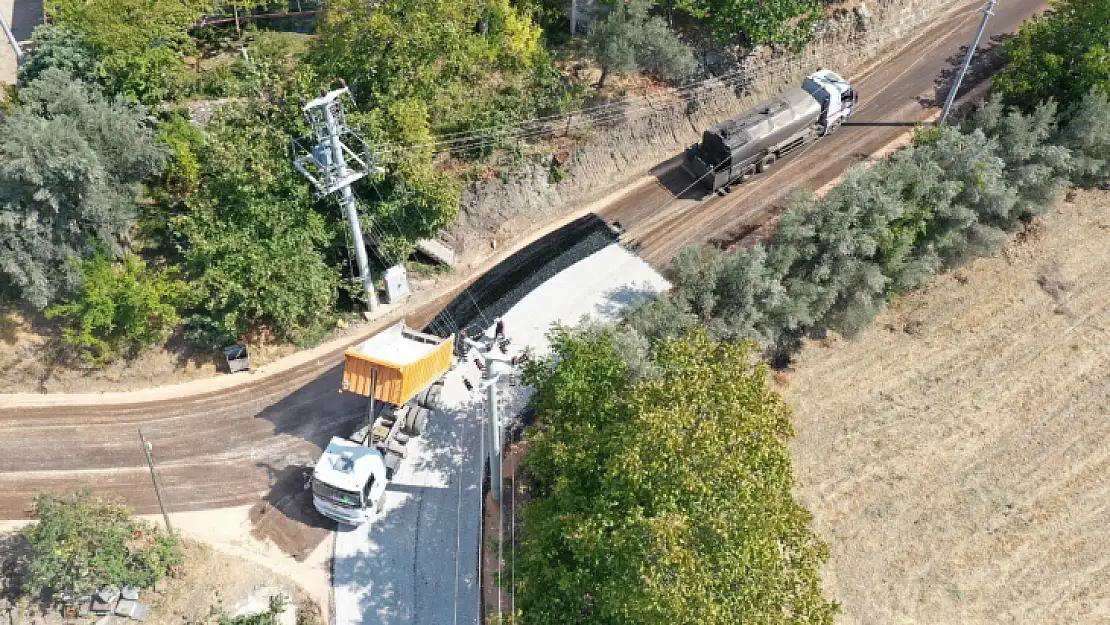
column 234, row 446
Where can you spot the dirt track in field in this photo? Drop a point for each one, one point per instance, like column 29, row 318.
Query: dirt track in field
column 957, row 456
column 234, row 446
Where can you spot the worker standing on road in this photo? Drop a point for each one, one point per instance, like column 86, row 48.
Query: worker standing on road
column 499, row 329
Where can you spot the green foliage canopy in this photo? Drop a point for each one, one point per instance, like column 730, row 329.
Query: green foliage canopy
column 60, row 48
column 629, row 39
column 73, row 159
column 754, row 22
column 252, row 240
column 666, row 500
column 81, row 543
column 1059, row 55
column 122, row 305
column 139, row 42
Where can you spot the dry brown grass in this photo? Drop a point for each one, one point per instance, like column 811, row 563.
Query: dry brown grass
column 960, row 472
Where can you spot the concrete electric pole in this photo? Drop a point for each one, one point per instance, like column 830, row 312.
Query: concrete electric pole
column 147, row 447
column 988, row 11
column 493, row 368
column 327, row 167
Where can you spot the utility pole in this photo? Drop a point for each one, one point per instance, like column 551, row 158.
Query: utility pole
column 988, row 11
column 490, row 365
column 154, row 478
column 573, row 17
column 326, row 166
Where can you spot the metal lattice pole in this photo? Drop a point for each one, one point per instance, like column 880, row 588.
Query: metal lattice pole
column 988, row 11
column 328, row 168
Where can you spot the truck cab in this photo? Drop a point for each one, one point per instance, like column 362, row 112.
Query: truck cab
column 837, row 97
column 348, row 481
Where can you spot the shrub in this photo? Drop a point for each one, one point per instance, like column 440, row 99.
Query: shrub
column 123, row 305
column 81, row 543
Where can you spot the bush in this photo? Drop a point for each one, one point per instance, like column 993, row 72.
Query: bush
column 123, row 305
column 82, row 543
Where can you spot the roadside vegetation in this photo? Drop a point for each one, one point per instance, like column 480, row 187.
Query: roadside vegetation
column 131, row 223
column 83, row 543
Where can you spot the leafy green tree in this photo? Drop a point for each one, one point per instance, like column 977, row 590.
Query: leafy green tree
column 73, row 159
column 429, row 51
column 123, row 306
column 139, row 43
column 1059, row 55
column 81, row 543
column 663, row 500
column 630, row 39
column 252, row 241
column 754, row 22
column 60, row 48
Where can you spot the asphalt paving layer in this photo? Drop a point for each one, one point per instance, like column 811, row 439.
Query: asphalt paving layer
column 235, row 446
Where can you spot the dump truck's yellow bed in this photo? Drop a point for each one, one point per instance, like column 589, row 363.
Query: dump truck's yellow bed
column 397, row 362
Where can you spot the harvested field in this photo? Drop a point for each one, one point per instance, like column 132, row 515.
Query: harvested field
column 956, row 457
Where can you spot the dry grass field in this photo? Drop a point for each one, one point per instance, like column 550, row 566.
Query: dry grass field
column 956, row 457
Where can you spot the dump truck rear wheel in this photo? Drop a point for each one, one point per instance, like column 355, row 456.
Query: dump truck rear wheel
column 419, row 421
column 767, row 162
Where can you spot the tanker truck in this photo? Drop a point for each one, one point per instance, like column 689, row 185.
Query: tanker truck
column 737, row 149
column 401, row 372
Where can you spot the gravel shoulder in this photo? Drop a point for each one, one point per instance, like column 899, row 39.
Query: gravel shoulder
column 955, row 457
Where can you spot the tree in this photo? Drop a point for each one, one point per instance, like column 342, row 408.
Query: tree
column 252, row 241
column 629, row 39
column 123, row 305
column 60, row 48
column 81, row 543
column 73, row 159
column 755, row 22
column 1059, row 55
column 139, row 43
column 667, row 499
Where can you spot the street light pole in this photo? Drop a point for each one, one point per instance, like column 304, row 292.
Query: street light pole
column 154, row 478
column 988, row 11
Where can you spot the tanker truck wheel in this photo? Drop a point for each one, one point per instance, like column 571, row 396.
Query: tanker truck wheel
column 767, row 162
column 747, row 175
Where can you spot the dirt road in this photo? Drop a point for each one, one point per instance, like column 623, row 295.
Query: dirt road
column 955, row 457
column 234, row 446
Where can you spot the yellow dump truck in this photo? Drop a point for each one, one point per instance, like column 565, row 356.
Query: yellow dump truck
column 401, row 372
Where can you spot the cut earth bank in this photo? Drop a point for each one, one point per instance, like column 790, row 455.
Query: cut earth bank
column 955, row 455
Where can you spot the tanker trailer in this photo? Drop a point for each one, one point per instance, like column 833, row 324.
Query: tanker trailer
column 737, row 149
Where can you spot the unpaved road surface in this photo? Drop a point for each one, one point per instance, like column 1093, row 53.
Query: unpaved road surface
column 956, row 457
column 230, row 447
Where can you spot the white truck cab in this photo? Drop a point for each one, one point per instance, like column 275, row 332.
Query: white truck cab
column 348, row 482
column 837, row 97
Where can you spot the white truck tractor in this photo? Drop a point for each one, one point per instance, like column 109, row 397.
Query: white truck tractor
column 401, row 372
